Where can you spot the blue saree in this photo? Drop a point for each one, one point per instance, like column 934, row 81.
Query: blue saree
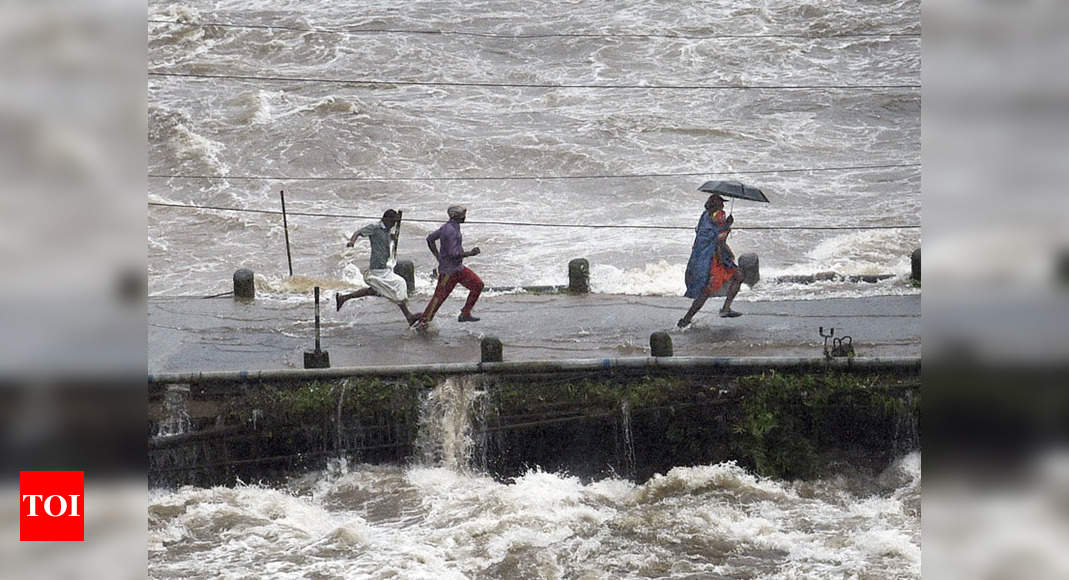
column 702, row 254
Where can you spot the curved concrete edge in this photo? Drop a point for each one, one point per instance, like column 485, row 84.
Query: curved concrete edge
column 899, row 364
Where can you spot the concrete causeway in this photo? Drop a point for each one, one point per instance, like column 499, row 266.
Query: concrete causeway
column 224, row 334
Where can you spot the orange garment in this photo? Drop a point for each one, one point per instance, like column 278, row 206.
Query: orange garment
column 720, row 274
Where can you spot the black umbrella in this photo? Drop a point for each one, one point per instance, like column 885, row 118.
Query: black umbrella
column 733, row 189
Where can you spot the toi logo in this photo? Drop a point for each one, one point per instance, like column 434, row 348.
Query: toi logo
column 52, row 506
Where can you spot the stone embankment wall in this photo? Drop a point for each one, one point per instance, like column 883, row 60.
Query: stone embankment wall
column 625, row 423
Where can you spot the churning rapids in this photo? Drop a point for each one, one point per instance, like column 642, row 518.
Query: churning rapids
column 424, row 521
column 440, row 517
column 532, row 112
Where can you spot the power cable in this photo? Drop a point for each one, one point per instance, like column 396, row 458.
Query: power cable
column 429, row 32
column 520, row 224
column 532, row 177
column 379, row 82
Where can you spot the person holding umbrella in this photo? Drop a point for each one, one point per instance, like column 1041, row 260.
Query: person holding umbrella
column 711, row 270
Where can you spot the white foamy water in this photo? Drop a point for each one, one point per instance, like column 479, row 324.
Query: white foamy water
column 445, row 434
column 433, row 522
column 442, row 517
column 388, row 133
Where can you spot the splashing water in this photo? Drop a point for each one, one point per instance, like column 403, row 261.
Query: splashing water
column 431, row 522
column 176, row 420
column 586, row 156
column 445, row 424
column 627, row 440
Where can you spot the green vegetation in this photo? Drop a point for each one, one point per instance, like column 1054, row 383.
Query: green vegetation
column 316, row 401
column 594, row 396
column 785, row 421
column 779, row 425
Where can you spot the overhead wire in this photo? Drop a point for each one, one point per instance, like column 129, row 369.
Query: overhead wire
column 512, row 223
column 530, row 177
column 435, row 32
column 372, row 82
column 480, row 84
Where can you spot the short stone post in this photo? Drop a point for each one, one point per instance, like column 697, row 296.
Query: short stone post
column 491, row 349
column 751, row 268
column 579, row 276
column 915, row 265
column 407, row 270
column 660, row 344
column 244, row 286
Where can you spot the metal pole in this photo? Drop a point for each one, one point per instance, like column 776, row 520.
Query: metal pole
column 286, row 228
column 317, row 317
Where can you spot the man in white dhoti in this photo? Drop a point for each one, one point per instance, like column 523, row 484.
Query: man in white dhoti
column 380, row 278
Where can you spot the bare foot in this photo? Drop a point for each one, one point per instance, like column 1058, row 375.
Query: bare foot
column 467, row 318
column 683, row 323
column 729, row 313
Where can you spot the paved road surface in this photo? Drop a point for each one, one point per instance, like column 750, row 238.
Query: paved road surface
column 196, row 334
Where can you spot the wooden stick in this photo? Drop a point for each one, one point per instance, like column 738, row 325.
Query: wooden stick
column 397, row 233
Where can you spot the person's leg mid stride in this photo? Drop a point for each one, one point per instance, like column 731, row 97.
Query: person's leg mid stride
column 733, row 285
column 446, row 283
column 341, row 299
column 474, row 284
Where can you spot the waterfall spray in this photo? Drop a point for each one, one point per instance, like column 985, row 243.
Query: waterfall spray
column 445, row 423
column 176, row 419
column 627, row 440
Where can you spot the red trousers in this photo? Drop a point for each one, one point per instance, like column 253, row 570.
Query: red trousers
column 446, row 282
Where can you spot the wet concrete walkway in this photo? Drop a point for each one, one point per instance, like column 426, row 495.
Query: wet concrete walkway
column 223, row 334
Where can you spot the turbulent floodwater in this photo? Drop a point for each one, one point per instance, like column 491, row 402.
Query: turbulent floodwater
column 441, row 517
column 707, row 521
column 596, row 113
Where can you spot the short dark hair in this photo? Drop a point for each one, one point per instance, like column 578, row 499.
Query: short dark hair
column 389, row 215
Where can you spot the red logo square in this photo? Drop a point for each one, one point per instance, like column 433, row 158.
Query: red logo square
column 52, row 506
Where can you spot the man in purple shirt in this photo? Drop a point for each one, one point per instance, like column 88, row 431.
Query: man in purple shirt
column 451, row 269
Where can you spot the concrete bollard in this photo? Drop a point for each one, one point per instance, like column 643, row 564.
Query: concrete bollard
column 244, row 285
column 407, row 270
column 491, row 349
column 915, row 265
column 579, row 276
column 751, row 268
column 660, row 344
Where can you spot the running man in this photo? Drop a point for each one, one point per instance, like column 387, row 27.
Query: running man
column 451, row 269
column 380, row 279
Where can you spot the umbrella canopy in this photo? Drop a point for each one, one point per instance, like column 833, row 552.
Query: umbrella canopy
column 733, row 189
